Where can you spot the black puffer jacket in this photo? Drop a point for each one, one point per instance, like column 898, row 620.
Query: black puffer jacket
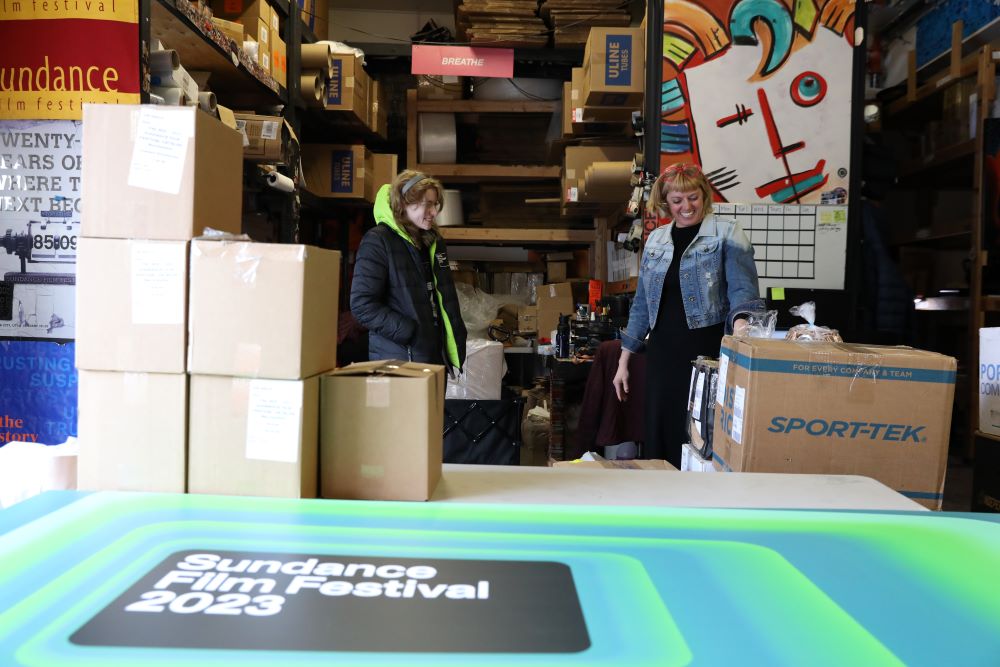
column 389, row 297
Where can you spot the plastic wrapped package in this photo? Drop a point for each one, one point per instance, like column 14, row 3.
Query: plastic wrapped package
column 29, row 468
column 809, row 331
column 479, row 309
column 760, row 324
column 535, row 280
column 482, row 375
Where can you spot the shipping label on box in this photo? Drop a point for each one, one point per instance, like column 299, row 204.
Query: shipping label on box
column 835, row 408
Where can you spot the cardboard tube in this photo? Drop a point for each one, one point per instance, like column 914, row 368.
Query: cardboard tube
column 311, row 88
column 207, row 102
column 613, row 177
column 171, row 95
column 164, row 61
column 318, row 57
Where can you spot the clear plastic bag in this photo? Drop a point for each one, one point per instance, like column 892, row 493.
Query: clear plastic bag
column 809, row 331
column 759, row 324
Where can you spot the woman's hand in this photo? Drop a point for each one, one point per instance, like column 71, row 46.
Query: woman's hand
column 621, row 377
column 741, row 328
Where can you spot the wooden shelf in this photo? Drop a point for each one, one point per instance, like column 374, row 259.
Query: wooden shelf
column 939, row 158
column 475, row 172
column 491, row 235
column 487, row 106
column 234, row 79
column 936, row 84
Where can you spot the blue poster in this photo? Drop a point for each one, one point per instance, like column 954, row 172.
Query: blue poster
column 38, row 386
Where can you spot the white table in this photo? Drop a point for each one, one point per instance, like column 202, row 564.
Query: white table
column 589, row 486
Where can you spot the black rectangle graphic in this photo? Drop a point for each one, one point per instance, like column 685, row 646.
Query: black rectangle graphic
column 274, row 601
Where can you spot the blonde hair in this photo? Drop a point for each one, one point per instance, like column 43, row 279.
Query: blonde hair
column 678, row 177
column 409, row 187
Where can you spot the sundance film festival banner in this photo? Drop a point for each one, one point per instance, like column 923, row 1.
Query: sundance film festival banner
column 56, row 55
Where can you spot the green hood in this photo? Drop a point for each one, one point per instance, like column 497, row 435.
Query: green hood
column 383, row 216
column 383, row 213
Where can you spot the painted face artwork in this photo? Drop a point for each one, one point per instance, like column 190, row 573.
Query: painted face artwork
column 422, row 213
column 761, row 97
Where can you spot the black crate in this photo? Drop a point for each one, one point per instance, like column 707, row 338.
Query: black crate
column 485, row 432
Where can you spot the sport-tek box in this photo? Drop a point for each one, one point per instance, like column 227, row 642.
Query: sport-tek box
column 132, row 431
column 338, row 171
column 253, row 437
column 262, row 310
column 614, row 67
column 989, row 380
column 381, row 430
column 155, row 172
column 834, row 408
column 131, row 305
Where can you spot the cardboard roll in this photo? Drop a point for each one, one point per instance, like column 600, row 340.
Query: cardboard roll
column 318, row 57
column 611, row 178
column 451, row 213
column 311, row 88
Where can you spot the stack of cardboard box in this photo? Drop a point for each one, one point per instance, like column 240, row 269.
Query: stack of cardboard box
column 262, row 328
column 351, row 172
column 260, row 22
column 148, row 192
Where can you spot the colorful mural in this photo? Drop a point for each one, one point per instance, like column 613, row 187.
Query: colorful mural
column 758, row 92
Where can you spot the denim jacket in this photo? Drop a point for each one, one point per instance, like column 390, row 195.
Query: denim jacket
column 718, row 279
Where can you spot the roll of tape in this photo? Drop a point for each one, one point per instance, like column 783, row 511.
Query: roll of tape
column 437, row 139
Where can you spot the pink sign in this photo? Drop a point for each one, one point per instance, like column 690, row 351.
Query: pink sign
column 463, row 61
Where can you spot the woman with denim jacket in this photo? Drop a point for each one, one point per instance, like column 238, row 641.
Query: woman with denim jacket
column 697, row 275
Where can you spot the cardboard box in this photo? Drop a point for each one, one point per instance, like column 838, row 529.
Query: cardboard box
column 348, row 87
column 230, row 29
column 264, row 45
column 614, row 68
column 131, row 307
column 265, row 136
column 381, row 431
column 245, row 12
column 338, row 171
column 578, row 158
column 556, row 271
column 279, row 59
column 133, row 431
column 385, row 166
column 527, row 319
column 989, row 380
column 136, row 188
column 254, row 437
column 567, row 109
column 553, row 300
column 379, row 110
column 263, row 310
column 835, row 408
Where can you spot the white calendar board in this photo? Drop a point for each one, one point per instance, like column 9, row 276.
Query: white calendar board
column 794, row 245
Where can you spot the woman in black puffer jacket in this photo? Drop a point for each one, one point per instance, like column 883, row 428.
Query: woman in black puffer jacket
column 403, row 292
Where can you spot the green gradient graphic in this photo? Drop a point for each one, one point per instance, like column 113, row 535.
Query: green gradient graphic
column 656, row 586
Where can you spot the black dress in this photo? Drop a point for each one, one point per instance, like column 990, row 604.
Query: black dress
column 671, row 347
